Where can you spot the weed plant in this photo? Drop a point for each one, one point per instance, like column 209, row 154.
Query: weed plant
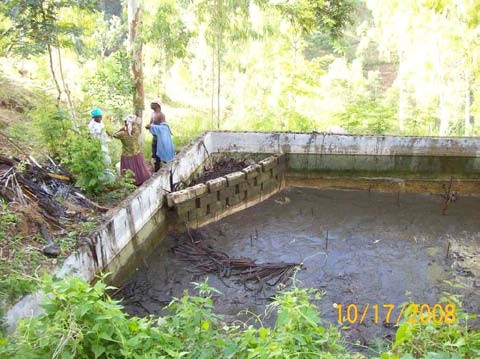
column 82, row 321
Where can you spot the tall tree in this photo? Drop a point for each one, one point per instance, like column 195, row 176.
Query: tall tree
column 221, row 18
column 168, row 32
column 136, row 45
column 37, row 27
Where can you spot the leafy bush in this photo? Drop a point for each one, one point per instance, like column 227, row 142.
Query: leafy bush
column 111, row 85
column 436, row 340
column 74, row 148
column 8, row 219
column 297, row 332
column 53, row 125
column 81, row 321
column 85, row 159
column 369, row 116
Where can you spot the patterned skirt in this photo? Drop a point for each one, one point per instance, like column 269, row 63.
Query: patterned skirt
column 137, row 165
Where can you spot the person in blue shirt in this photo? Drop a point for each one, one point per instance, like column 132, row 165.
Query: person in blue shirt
column 165, row 150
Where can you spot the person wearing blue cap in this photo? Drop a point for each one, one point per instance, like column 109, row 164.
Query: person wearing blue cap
column 97, row 130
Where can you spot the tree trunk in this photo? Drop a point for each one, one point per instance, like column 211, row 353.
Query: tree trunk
column 213, row 88
column 136, row 55
column 468, row 125
column 67, row 90
column 134, row 19
column 443, row 113
column 219, row 60
column 52, row 70
column 402, row 96
column 218, row 78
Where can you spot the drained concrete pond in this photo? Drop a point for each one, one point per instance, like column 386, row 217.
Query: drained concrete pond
column 357, row 247
column 371, row 222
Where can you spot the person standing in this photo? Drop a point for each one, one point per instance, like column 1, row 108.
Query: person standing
column 97, row 130
column 132, row 157
column 164, row 148
column 157, row 113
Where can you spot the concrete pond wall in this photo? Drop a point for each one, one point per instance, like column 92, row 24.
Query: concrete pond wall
column 379, row 163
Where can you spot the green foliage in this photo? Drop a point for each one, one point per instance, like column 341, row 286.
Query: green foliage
column 369, row 116
column 81, row 321
column 8, row 219
column 111, row 84
column 188, row 128
column 118, row 190
column 53, row 126
column 330, row 17
column 415, row 339
column 85, row 159
column 298, row 331
column 37, row 25
column 168, row 32
column 13, row 286
column 75, row 149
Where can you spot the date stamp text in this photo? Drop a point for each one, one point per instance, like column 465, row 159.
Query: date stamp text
column 391, row 314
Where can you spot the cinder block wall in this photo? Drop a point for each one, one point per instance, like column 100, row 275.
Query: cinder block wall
column 217, row 198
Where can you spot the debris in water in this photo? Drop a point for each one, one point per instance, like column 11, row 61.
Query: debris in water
column 207, row 260
column 449, row 196
column 284, row 200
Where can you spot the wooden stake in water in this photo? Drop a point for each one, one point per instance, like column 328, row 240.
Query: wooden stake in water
column 448, row 251
column 326, row 241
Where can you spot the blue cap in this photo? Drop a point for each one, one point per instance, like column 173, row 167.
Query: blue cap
column 96, row 112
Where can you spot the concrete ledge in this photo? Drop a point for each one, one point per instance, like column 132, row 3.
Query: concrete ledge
column 252, row 171
column 235, row 178
column 331, row 144
column 216, row 184
column 196, row 206
column 379, row 184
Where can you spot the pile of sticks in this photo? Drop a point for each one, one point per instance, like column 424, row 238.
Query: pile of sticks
column 27, row 183
column 207, row 260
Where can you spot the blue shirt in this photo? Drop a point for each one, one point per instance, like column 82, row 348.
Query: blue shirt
column 165, row 149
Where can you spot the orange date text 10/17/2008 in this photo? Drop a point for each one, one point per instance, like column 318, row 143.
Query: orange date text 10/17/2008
column 391, row 314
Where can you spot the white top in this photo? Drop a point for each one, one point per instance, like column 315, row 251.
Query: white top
column 97, row 130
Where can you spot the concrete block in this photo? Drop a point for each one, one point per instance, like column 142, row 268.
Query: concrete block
column 190, row 204
column 253, row 192
column 252, row 171
column 216, row 206
column 244, row 186
column 186, row 194
column 235, row 178
column 178, row 197
column 264, row 176
column 268, row 163
column 210, row 198
column 281, row 159
column 269, row 186
column 235, row 199
column 199, row 189
column 216, row 184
